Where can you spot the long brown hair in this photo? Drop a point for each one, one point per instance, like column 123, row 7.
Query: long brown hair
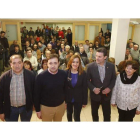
column 80, row 68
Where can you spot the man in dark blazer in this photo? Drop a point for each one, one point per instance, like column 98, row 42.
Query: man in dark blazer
column 16, row 92
column 101, row 80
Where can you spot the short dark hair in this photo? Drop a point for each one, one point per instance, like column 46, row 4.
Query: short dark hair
column 53, row 56
column 16, row 46
column 28, row 49
column 133, row 63
column 28, row 63
column 130, row 39
column 102, row 50
column 86, row 40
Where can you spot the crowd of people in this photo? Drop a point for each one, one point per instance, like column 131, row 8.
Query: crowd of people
column 52, row 75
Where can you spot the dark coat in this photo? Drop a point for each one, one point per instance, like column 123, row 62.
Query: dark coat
column 80, row 91
column 5, row 79
column 93, row 79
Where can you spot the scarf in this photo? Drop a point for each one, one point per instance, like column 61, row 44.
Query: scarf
column 126, row 80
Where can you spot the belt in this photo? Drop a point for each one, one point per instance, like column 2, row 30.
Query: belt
column 18, row 106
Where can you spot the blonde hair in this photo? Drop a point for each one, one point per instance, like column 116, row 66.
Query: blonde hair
column 111, row 60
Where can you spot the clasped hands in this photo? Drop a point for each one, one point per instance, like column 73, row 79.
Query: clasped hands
column 105, row 91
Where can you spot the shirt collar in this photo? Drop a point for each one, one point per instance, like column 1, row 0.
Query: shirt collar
column 102, row 65
column 17, row 74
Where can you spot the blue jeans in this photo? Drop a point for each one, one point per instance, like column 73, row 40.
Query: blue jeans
column 16, row 111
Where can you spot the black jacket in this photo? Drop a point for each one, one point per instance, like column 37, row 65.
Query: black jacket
column 80, row 91
column 4, row 42
column 19, row 52
column 5, row 80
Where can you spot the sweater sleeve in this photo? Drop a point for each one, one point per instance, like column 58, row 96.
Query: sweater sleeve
column 1, row 95
column 35, row 62
column 114, row 91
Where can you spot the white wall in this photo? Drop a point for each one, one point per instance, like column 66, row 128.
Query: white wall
column 136, row 37
column 129, row 33
column 60, row 25
column 104, row 27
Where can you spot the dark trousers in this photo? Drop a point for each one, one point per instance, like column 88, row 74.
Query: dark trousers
column 126, row 115
column 77, row 110
column 105, row 107
column 16, row 111
column 5, row 58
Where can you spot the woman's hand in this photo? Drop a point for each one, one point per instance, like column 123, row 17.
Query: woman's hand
column 83, row 106
column 114, row 105
column 137, row 112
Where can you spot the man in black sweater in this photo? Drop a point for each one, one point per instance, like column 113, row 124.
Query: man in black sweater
column 50, row 92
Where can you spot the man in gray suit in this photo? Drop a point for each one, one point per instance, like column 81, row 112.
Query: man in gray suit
column 101, row 79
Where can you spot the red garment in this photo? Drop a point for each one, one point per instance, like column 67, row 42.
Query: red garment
column 60, row 33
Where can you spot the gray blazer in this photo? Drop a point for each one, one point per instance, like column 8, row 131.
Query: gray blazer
column 93, row 79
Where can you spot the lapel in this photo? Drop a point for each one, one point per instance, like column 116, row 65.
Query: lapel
column 106, row 71
column 69, row 79
column 97, row 71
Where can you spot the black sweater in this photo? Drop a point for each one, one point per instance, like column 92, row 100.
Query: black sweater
column 49, row 89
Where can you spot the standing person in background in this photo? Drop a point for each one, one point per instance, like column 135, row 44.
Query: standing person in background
column 31, row 32
column 126, row 93
column 69, row 37
column 38, row 32
column 100, row 39
column 4, row 42
column 60, row 34
column 107, row 34
column 86, row 46
column 101, row 78
column 16, row 92
column 50, row 92
column 76, row 91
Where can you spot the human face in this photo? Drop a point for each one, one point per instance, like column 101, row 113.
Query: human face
column 16, row 49
column 29, row 54
column 90, row 49
column 26, row 66
column 16, row 65
column 47, row 54
column 87, row 42
column 3, row 34
column 127, row 52
column 129, row 70
column 67, row 49
column 45, row 66
column 81, row 49
column 96, row 43
column 100, row 34
column 53, row 65
column 135, row 47
column 75, row 64
column 15, row 42
column 35, row 47
column 76, row 43
column 62, row 46
column 27, row 43
column 49, row 46
column 100, row 58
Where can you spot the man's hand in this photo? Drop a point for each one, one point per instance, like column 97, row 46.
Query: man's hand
column 2, row 116
column 83, row 106
column 65, row 106
column 106, row 91
column 137, row 112
column 114, row 105
column 39, row 115
column 96, row 90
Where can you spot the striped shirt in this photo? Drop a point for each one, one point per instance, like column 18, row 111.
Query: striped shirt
column 17, row 90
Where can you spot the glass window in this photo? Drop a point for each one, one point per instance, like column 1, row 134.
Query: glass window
column 80, row 32
column 93, row 32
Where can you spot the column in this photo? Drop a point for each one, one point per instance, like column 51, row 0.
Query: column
column 120, row 28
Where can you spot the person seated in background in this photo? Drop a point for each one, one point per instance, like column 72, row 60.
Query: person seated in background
column 12, row 46
column 53, row 43
column 49, row 47
column 84, row 60
column 96, row 46
column 41, row 47
column 130, row 46
column 31, row 58
column 62, row 49
column 27, row 38
column 100, row 39
column 17, row 51
column 32, row 43
column 91, row 45
column 66, row 42
column 112, row 60
column 86, row 46
column 107, row 34
column 63, row 54
column 37, row 51
column 129, row 42
column 91, row 55
column 82, row 52
column 46, row 54
column 135, row 53
column 75, row 48
column 127, row 54
column 43, row 66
